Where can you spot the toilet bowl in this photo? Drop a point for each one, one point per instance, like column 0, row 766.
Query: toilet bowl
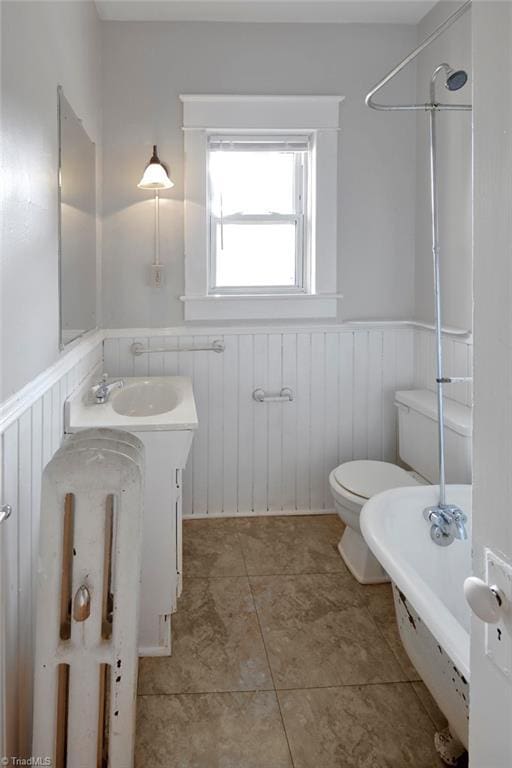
column 352, row 484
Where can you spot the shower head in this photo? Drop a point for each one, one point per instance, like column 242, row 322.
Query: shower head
column 455, row 79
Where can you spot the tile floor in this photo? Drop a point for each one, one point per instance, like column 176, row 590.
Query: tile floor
column 281, row 659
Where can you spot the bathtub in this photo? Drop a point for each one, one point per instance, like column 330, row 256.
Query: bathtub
column 432, row 615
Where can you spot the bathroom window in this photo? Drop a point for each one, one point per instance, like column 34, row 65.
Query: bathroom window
column 261, row 208
column 258, row 222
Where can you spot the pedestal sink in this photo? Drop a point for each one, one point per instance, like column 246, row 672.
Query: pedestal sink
column 161, row 411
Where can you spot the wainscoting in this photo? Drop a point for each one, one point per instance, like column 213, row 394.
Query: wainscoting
column 457, row 360
column 255, row 458
column 32, row 427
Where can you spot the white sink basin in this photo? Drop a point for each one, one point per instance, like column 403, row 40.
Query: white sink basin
column 145, row 398
column 141, row 405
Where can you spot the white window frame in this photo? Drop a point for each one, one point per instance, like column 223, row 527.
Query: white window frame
column 300, row 218
column 314, row 116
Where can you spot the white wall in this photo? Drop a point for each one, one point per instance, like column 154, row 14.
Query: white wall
column 490, row 734
column 43, row 44
column 454, row 164
column 146, row 66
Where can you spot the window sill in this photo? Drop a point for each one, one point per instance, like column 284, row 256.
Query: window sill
column 261, row 306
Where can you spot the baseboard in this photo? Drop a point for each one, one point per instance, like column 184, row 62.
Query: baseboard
column 265, row 513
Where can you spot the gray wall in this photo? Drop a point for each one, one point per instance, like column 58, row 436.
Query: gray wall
column 454, row 142
column 43, row 44
column 146, row 66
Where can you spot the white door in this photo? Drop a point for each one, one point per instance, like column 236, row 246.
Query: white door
column 3, row 616
column 3, row 751
column 490, row 725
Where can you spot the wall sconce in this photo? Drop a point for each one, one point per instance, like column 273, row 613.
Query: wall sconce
column 156, row 177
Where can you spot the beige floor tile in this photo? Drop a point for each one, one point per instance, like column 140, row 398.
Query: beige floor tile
column 216, row 643
column 228, row 730
column 318, row 632
column 373, row 726
column 295, row 544
column 211, row 548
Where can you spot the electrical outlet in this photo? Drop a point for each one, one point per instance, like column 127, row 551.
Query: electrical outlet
column 498, row 637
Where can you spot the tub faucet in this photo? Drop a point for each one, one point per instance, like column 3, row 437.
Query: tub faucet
column 448, row 522
column 102, row 390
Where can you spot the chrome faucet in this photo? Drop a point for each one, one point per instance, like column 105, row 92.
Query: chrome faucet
column 448, row 522
column 102, row 390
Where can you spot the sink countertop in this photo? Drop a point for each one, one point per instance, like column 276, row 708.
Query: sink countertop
column 81, row 412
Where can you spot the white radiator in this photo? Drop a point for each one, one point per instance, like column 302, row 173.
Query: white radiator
column 88, row 602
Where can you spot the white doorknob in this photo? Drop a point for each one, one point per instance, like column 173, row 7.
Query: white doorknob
column 484, row 601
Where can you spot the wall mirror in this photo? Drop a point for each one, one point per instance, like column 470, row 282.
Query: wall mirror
column 77, row 225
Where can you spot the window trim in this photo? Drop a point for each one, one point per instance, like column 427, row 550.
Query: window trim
column 317, row 116
column 300, row 217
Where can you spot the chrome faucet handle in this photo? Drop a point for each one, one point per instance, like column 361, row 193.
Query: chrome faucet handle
column 435, row 515
column 447, row 522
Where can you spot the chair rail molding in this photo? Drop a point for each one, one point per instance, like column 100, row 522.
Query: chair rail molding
column 14, row 406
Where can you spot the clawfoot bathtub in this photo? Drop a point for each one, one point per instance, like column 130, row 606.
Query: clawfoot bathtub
column 432, row 615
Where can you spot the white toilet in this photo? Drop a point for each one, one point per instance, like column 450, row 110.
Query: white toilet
column 354, row 482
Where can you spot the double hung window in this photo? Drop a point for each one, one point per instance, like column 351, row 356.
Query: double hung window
column 258, row 214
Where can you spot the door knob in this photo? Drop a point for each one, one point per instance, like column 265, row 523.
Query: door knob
column 485, row 601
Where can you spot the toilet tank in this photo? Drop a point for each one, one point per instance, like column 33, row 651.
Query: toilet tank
column 418, row 435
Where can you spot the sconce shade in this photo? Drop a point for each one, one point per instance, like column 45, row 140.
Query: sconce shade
column 155, row 176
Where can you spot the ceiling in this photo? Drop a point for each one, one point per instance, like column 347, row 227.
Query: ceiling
column 305, row 11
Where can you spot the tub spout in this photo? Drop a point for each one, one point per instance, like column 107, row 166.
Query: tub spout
column 459, row 523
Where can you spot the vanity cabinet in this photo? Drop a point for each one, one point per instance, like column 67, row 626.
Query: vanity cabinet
column 161, row 412
column 161, row 579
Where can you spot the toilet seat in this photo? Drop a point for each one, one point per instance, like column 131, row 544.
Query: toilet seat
column 365, row 478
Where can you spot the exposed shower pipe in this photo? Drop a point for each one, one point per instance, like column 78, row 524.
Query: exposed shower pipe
column 407, row 60
column 447, row 520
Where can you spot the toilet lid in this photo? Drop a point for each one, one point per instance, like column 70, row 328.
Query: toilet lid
column 366, row 478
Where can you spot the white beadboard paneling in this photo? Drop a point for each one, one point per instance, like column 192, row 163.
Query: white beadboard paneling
column 230, row 446
column 266, row 458
column 457, row 360
column 360, row 395
column 260, row 421
column 289, row 423
column 245, row 452
column 215, row 447
column 201, row 382
column 13, row 715
column 273, row 412
column 389, row 378
column 302, row 487
column 32, row 431
column 346, row 397
column 185, row 367
column 317, row 421
column 375, row 395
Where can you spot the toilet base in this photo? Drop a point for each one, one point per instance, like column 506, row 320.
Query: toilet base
column 359, row 560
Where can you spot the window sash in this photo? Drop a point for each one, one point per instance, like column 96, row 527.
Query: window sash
column 300, row 145
column 273, row 219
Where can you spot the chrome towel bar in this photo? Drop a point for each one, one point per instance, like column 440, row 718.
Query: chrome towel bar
column 5, row 512
column 139, row 349
column 284, row 396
